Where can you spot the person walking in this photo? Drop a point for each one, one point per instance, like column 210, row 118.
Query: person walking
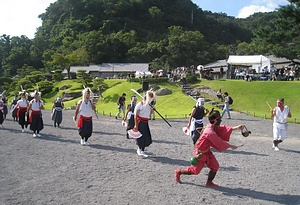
column 226, row 106
column 57, row 108
column 4, row 100
column 213, row 135
column 1, row 113
column 85, row 109
column 22, row 114
column 130, row 115
column 142, row 112
column 13, row 108
column 196, row 119
column 280, row 114
column 35, row 108
column 121, row 105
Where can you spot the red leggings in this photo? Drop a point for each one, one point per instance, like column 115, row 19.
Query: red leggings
column 207, row 159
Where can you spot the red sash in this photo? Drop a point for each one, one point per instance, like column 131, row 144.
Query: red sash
column 80, row 120
column 34, row 112
column 143, row 119
column 21, row 109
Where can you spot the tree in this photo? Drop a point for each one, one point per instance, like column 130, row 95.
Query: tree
column 61, row 61
column 283, row 32
column 99, row 85
column 185, row 48
column 83, row 77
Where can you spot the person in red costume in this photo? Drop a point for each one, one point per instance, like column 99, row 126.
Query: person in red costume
column 213, row 135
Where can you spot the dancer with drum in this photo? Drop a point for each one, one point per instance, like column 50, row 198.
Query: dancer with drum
column 213, row 135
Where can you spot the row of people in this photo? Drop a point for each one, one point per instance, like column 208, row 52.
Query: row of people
column 212, row 135
column 29, row 113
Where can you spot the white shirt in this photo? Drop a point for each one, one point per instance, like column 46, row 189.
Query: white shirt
column 35, row 105
column 22, row 103
column 144, row 109
column 85, row 109
column 280, row 117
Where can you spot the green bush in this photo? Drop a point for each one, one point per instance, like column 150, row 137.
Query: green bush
column 45, row 86
column 191, row 78
column 150, row 80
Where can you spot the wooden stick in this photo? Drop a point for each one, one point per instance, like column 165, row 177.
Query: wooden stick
column 133, row 90
column 269, row 106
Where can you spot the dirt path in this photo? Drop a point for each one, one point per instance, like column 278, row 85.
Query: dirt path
column 56, row 169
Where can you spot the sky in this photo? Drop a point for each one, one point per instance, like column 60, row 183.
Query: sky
column 20, row 17
column 239, row 8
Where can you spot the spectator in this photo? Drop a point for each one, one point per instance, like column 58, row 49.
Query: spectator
column 226, row 106
column 121, row 106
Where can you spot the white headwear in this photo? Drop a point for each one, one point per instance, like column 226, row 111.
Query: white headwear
column 200, row 102
column 133, row 98
column 85, row 91
column 149, row 97
column 37, row 93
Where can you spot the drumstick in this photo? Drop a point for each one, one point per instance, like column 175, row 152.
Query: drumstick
column 269, row 106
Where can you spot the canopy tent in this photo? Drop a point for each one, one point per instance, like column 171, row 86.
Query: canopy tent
column 140, row 74
column 258, row 62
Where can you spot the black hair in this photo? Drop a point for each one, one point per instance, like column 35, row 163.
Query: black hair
column 281, row 100
column 213, row 114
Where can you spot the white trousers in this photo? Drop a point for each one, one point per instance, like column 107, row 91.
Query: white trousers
column 279, row 131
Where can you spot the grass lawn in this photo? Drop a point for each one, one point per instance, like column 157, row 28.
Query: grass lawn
column 175, row 105
column 249, row 97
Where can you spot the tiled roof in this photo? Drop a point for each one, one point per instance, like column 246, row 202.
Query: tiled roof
column 111, row 67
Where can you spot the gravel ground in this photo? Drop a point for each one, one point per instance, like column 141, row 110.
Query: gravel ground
column 56, row 169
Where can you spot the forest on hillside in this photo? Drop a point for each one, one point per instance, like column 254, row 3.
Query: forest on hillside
column 164, row 33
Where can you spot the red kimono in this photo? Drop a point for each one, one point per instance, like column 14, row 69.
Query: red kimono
column 217, row 139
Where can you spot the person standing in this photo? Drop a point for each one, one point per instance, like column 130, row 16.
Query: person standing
column 220, row 95
column 13, row 108
column 280, row 115
column 36, row 106
column 213, row 135
column 196, row 119
column 130, row 115
column 142, row 112
column 152, row 115
column 226, row 106
column 1, row 113
column 221, row 72
column 183, row 78
column 85, row 109
column 5, row 109
column 22, row 115
column 121, row 106
column 58, row 105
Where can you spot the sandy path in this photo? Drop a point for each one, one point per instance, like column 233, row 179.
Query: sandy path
column 56, row 169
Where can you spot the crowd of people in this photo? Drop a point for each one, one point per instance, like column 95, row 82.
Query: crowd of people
column 285, row 73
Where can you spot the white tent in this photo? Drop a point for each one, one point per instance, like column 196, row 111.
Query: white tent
column 140, row 74
column 258, row 62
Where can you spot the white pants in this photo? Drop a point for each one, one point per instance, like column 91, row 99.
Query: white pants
column 279, row 131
